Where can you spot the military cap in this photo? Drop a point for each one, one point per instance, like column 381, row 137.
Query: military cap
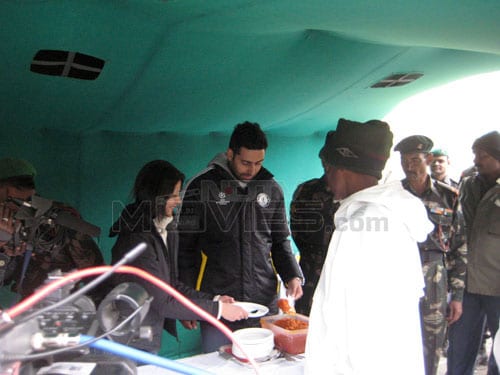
column 439, row 152
column 10, row 167
column 414, row 143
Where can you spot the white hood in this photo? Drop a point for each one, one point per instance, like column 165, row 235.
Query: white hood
column 392, row 195
column 370, row 287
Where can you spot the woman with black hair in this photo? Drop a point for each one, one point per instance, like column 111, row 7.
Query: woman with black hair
column 150, row 219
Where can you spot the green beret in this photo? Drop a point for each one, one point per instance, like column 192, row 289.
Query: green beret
column 10, row 167
column 439, row 152
column 414, row 143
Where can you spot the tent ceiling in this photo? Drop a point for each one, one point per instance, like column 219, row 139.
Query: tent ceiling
column 197, row 66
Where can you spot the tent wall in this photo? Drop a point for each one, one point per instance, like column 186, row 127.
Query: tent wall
column 110, row 162
column 55, row 155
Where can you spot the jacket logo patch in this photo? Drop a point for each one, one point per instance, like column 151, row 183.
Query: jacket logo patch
column 222, row 199
column 263, row 199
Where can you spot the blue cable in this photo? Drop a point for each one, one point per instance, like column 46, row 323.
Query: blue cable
column 142, row 356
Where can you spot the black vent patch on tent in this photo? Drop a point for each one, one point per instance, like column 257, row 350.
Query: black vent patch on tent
column 66, row 64
column 396, row 80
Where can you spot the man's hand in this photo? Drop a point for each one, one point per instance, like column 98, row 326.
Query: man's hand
column 294, row 288
column 13, row 252
column 455, row 312
column 226, row 299
column 8, row 226
column 189, row 324
column 233, row 312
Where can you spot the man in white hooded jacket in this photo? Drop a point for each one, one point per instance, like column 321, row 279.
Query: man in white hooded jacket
column 365, row 315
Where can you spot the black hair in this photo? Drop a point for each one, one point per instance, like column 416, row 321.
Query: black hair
column 156, row 179
column 248, row 135
column 19, row 182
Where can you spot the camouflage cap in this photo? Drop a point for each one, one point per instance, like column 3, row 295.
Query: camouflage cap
column 439, row 152
column 10, row 167
column 414, row 143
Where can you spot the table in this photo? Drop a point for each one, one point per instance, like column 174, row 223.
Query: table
column 225, row 364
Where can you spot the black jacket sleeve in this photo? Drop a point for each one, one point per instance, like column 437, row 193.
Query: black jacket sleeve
column 153, row 261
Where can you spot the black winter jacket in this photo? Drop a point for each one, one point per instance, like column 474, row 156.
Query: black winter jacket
column 242, row 230
column 133, row 227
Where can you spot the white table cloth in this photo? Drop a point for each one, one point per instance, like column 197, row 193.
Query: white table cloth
column 224, row 364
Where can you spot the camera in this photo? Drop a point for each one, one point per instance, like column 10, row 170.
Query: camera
column 55, row 325
column 44, row 224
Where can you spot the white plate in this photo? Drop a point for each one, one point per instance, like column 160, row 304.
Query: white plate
column 254, row 309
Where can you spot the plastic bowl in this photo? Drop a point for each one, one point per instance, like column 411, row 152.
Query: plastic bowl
column 291, row 342
column 256, row 342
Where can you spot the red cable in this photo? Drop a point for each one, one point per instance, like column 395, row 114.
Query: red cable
column 92, row 271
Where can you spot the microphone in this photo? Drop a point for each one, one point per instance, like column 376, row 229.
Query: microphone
column 131, row 255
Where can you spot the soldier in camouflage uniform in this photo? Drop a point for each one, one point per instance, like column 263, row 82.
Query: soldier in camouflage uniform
column 55, row 247
column 439, row 167
column 311, row 224
column 443, row 254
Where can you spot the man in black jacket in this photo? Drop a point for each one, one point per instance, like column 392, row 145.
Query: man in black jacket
column 233, row 230
column 311, row 222
column 480, row 199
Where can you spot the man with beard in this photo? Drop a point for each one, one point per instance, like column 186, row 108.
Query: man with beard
column 480, row 199
column 233, row 232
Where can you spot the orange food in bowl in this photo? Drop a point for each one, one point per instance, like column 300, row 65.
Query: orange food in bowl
column 288, row 340
column 291, row 324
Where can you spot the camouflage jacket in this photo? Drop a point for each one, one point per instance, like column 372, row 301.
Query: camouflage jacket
column 59, row 248
column 445, row 212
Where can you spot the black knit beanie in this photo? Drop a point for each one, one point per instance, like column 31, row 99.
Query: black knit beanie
column 490, row 142
column 361, row 147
